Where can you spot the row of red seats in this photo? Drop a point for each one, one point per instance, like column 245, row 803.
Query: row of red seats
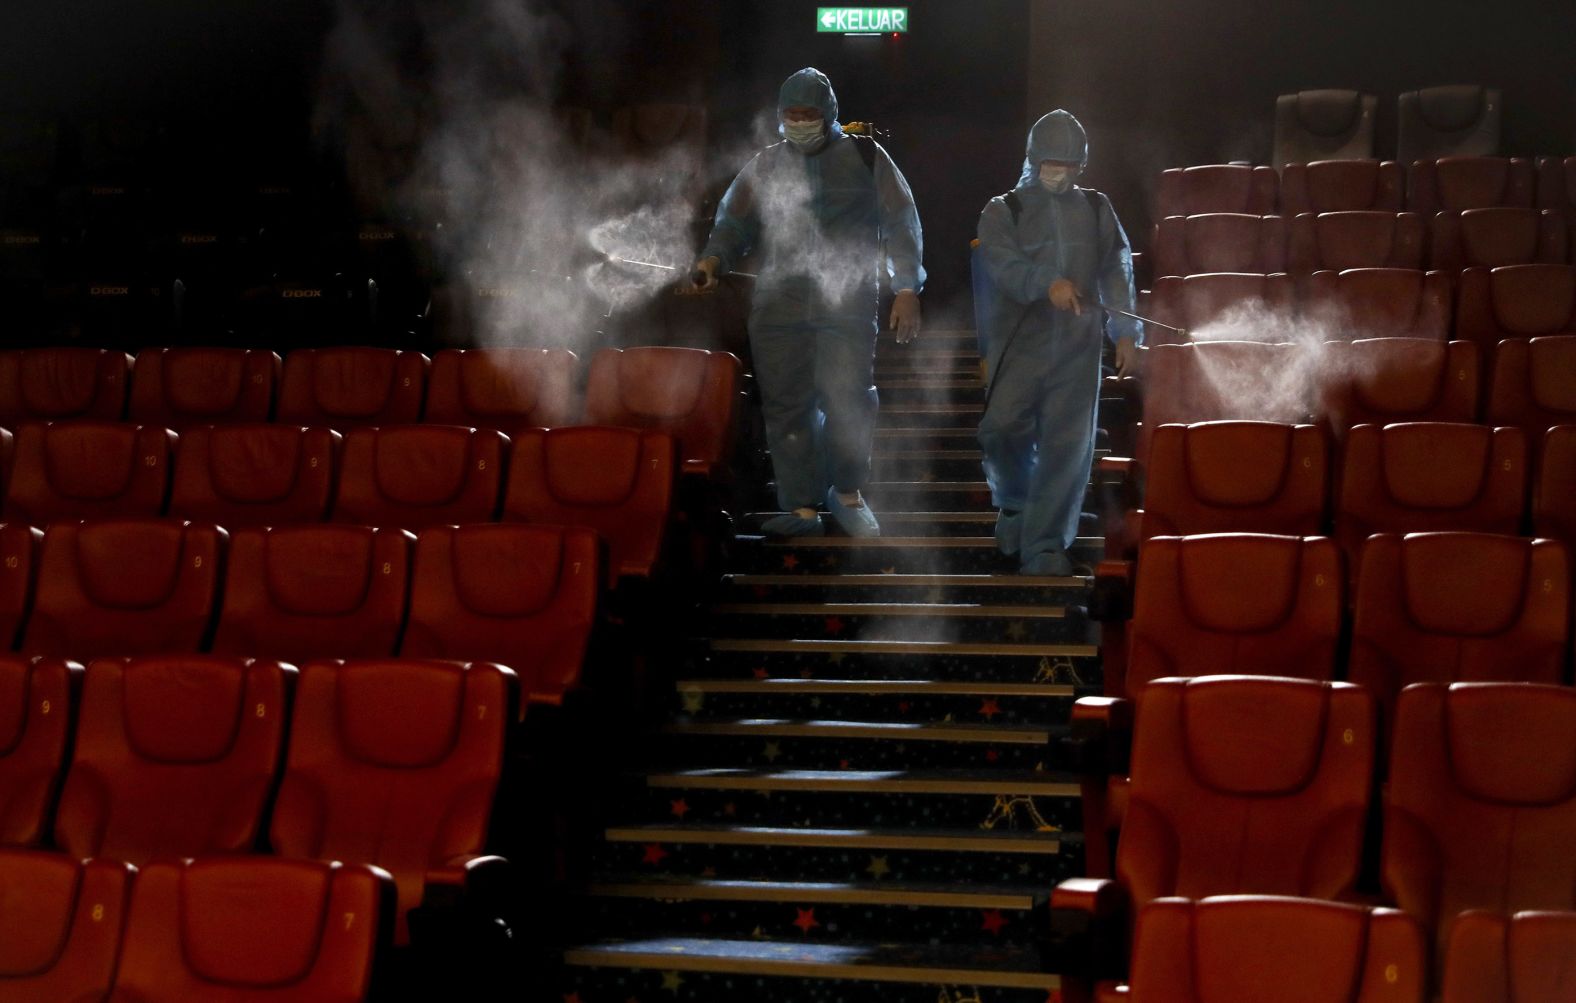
column 525, row 596
column 1449, row 184
column 617, row 481
column 216, row 928
column 1263, row 785
column 382, row 762
column 1482, row 305
column 1336, row 241
column 687, row 392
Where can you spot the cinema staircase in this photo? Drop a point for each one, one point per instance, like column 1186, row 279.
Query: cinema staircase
column 854, row 796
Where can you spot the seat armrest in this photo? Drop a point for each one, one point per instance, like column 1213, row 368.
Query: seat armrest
column 1088, row 929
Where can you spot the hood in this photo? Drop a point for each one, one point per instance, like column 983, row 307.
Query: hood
column 1056, row 136
column 810, row 87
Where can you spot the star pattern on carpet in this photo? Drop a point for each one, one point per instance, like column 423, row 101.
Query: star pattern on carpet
column 989, row 708
column 679, row 808
column 992, row 922
column 654, row 854
column 671, row 981
column 878, row 868
column 806, row 920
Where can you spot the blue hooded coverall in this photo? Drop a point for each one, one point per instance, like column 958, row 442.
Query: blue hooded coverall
column 1044, row 364
column 821, row 221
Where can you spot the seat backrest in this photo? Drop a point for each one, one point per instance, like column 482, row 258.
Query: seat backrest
column 1381, row 380
column 411, row 476
column 36, row 698
column 1454, row 184
column 62, row 919
column 617, row 481
column 1534, row 384
column 300, row 592
column 506, row 389
column 1263, row 949
column 1422, row 476
column 525, row 596
column 1515, row 301
column 1522, row 958
column 1457, row 120
column 1220, row 242
column 18, row 574
column 345, row 387
column 1328, row 124
column 181, row 387
column 89, row 469
column 1247, row 785
column 1554, row 498
column 1224, row 305
column 1481, row 804
column 689, row 393
column 175, row 756
column 1557, row 185
column 1235, row 602
column 1334, row 241
column 54, row 384
column 1236, row 476
column 253, row 928
column 394, row 763
column 1489, row 238
column 124, row 587
column 1459, row 607
column 1341, row 186
column 1222, row 380
column 254, row 475
column 1189, row 191
column 1378, row 303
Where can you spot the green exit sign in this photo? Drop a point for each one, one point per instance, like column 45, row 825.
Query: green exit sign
column 861, row 20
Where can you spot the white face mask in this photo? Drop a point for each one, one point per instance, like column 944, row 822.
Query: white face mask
column 805, row 136
column 1057, row 178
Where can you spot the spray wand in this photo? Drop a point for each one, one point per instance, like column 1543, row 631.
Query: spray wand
column 697, row 277
column 1180, row 332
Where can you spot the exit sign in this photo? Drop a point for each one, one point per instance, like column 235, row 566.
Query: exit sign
column 861, row 20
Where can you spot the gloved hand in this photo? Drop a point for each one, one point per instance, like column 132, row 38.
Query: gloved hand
column 1126, row 357
column 1065, row 296
column 905, row 316
column 705, row 267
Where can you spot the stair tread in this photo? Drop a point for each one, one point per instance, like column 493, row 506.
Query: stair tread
column 899, row 542
column 925, row 609
column 871, row 781
column 901, row 647
column 862, row 892
column 954, row 964
column 912, row 580
column 935, row 731
column 916, row 687
column 955, row 840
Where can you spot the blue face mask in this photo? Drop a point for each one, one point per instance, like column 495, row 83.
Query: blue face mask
column 805, row 136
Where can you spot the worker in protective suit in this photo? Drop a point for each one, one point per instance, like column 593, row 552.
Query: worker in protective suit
column 1054, row 253
column 825, row 210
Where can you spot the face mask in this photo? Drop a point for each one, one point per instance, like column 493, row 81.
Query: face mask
column 804, row 135
column 1056, row 179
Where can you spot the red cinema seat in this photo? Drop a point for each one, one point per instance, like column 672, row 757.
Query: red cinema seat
column 525, row 596
column 184, row 387
column 36, row 701
column 87, row 470
column 1456, row 119
column 1522, row 958
column 505, row 389
column 175, row 757
column 1481, row 805
column 299, row 592
column 1429, row 476
column 1515, row 301
column 254, row 475
column 1236, row 476
column 1342, row 186
column 1554, row 497
column 1557, row 191
column 18, row 570
column 1220, row 242
column 1490, row 238
column 394, row 763
column 1192, row 191
column 689, row 393
column 56, row 384
column 1378, row 303
column 617, row 481
column 1265, row 949
column 124, row 587
column 1233, row 306
column 345, row 387
column 62, row 920
column 1222, row 380
column 1534, row 384
column 411, row 476
column 1383, row 380
column 1459, row 607
column 1247, row 603
column 1325, row 124
column 252, row 929
column 1336, row 241
column 1455, row 184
